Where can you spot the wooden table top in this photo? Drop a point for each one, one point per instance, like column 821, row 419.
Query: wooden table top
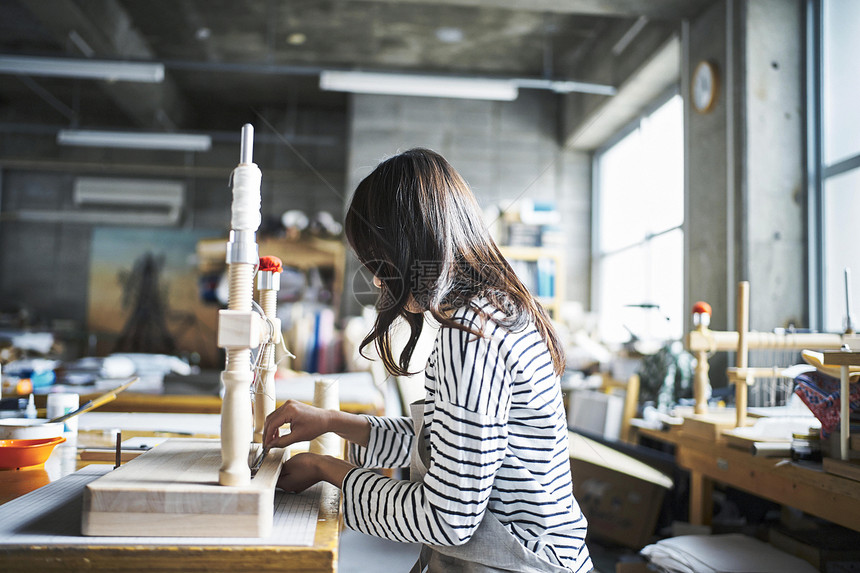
column 322, row 556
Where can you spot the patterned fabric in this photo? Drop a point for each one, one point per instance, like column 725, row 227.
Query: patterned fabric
column 497, row 433
column 821, row 394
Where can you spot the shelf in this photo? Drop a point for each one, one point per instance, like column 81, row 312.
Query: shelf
column 545, row 284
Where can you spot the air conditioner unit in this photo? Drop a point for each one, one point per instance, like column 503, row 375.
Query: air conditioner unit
column 112, row 201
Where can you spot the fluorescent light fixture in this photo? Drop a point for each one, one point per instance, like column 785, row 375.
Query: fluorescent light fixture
column 418, row 85
column 567, row 86
column 447, row 86
column 88, row 69
column 134, row 140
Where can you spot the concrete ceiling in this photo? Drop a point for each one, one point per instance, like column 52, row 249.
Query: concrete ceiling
column 225, row 60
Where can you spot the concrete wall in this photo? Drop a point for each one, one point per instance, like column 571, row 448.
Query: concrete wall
column 505, row 150
column 744, row 193
column 775, row 177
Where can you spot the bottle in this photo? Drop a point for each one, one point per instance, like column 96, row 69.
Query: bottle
column 30, row 412
column 806, row 446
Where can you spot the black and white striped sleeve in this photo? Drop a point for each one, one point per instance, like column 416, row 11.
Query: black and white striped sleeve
column 389, row 444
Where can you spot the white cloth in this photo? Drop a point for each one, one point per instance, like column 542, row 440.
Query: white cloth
column 731, row 553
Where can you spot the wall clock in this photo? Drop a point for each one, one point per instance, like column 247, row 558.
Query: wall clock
column 706, row 84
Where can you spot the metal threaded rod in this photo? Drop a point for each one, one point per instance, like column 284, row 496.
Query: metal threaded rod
column 239, row 298
column 246, row 151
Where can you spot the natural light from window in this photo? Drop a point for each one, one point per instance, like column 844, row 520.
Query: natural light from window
column 639, row 262
column 840, row 188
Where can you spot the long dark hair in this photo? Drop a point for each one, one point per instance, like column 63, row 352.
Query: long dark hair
column 415, row 225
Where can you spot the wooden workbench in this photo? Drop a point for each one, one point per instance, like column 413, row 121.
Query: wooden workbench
column 320, row 557
column 804, row 487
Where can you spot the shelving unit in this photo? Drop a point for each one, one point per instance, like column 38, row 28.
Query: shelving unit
column 543, row 272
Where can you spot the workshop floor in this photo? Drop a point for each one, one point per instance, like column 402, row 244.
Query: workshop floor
column 360, row 553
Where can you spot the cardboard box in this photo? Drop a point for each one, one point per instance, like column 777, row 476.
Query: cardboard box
column 620, row 496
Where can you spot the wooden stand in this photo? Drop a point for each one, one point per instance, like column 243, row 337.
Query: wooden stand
column 742, row 382
column 173, row 491
column 702, row 342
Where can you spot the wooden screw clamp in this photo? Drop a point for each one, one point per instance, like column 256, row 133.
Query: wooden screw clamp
column 236, row 326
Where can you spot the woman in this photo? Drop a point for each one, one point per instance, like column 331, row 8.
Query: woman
column 491, row 487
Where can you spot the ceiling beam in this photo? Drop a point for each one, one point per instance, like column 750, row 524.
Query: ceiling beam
column 652, row 9
column 103, row 29
column 657, row 75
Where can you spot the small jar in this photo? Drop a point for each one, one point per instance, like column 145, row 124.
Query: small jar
column 806, row 447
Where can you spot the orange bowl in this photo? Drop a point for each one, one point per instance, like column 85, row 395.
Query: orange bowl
column 26, row 453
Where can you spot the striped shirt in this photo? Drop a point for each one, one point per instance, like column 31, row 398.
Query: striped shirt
column 497, row 434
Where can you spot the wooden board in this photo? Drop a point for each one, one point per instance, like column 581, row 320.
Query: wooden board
column 173, row 491
column 708, row 426
column 846, row 469
column 587, row 450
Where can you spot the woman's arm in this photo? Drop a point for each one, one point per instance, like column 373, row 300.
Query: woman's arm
column 307, row 422
column 303, row 470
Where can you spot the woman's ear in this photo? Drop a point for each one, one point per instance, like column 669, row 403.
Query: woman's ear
column 376, row 282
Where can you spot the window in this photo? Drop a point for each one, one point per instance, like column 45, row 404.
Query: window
column 835, row 163
column 639, row 243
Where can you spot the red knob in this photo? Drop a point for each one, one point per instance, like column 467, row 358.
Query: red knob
column 271, row 264
column 702, row 307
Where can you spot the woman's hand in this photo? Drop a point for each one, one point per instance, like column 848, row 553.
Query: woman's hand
column 306, row 423
column 303, row 470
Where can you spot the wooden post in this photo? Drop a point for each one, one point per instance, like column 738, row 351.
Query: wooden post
column 631, row 404
column 844, row 412
column 743, row 352
column 701, row 380
column 701, row 499
column 844, row 358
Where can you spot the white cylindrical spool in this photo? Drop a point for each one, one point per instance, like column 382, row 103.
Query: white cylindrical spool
column 327, row 396
column 246, row 198
column 60, row 404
